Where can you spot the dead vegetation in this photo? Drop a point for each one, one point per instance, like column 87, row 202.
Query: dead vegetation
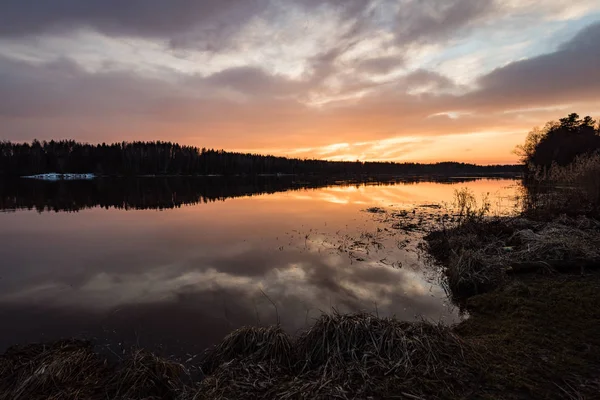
column 144, row 375
column 251, row 344
column 342, row 356
column 478, row 254
column 66, row 369
column 71, row 369
column 573, row 189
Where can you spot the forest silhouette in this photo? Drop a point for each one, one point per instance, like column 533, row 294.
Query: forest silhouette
column 166, row 158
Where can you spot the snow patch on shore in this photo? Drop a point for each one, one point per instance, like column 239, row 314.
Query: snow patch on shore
column 53, row 176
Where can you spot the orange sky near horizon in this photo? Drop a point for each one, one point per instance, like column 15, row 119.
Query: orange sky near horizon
column 374, row 80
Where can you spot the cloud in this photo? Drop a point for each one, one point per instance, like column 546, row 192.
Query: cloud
column 431, row 20
column 568, row 75
column 355, row 72
column 63, row 88
column 428, row 81
column 148, row 18
column 208, row 25
column 380, row 65
column 252, row 81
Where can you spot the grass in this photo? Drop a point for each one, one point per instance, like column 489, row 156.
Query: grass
column 65, row 369
column 144, row 375
column 251, row 344
column 531, row 287
column 478, row 255
column 573, row 189
column 541, row 336
column 71, row 369
column 340, row 356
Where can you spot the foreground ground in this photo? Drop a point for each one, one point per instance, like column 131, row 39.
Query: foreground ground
column 539, row 337
column 529, row 335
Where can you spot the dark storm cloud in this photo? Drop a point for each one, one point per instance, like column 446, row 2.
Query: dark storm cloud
column 570, row 74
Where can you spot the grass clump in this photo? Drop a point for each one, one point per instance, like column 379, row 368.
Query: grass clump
column 340, row 338
column 65, row 370
column 341, row 356
column 478, row 254
column 255, row 344
column 73, row 370
column 144, row 375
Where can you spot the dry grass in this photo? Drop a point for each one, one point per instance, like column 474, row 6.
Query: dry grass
column 143, row 375
column 252, row 344
column 62, row 370
column 340, row 356
column 337, row 339
column 573, row 189
column 477, row 254
column 242, row 379
column 69, row 370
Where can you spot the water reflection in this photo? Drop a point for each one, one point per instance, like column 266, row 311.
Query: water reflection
column 173, row 192
column 184, row 277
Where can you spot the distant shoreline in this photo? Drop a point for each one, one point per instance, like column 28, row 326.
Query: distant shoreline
column 166, row 158
column 54, row 176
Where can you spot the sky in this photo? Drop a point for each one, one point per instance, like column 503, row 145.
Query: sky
column 393, row 80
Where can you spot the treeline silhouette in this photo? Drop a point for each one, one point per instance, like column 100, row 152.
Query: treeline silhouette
column 162, row 192
column 165, row 158
column 560, row 142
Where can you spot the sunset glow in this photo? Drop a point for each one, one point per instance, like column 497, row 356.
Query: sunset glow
column 397, row 80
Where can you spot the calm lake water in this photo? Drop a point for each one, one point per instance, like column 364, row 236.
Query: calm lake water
column 181, row 262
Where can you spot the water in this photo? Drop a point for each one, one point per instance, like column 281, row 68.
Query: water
column 179, row 263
